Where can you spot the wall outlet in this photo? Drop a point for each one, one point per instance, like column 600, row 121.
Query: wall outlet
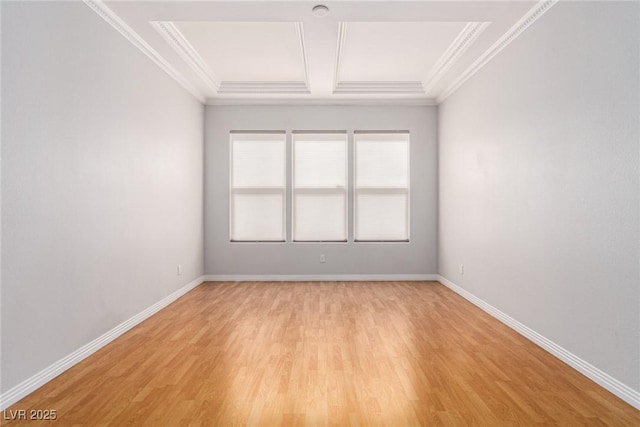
column 462, row 269
column 179, row 270
column 322, row 258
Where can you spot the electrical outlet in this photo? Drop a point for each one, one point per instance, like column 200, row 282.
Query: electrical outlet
column 462, row 269
column 179, row 270
column 322, row 258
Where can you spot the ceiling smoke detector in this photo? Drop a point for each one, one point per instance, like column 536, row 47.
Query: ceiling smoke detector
column 320, row 11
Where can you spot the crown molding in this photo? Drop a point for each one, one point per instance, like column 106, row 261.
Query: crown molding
column 303, row 51
column 379, row 102
column 362, row 87
column 518, row 28
column 227, row 87
column 134, row 38
column 172, row 35
column 342, row 33
column 465, row 39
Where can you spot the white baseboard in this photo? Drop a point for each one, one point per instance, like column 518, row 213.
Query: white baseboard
column 616, row 387
column 318, row 277
column 623, row 391
column 16, row 393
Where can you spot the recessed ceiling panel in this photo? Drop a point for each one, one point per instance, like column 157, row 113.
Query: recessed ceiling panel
column 248, row 51
column 393, row 51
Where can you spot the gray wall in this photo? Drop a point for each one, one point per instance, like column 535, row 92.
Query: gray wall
column 540, row 186
column 417, row 257
column 102, row 183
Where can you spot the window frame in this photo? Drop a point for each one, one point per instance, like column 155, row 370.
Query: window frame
column 398, row 190
column 258, row 190
column 345, row 190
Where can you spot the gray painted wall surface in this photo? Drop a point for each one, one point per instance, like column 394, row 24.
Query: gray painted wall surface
column 540, row 186
column 417, row 257
column 102, row 183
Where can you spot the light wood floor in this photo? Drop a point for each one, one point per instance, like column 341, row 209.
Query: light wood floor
column 334, row 353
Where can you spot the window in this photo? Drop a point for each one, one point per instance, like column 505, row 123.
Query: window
column 381, row 196
column 258, row 184
column 319, row 187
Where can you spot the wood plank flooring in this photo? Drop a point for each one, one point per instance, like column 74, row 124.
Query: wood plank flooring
column 324, row 354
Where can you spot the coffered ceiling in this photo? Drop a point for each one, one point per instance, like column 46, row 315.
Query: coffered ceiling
column 227, row 52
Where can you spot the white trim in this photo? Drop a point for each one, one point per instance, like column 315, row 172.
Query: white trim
column 342, row 33
column 16, row 393
column 465, row 39
column 172, row 35
column 303, row 51
column 605, row 380
column 518, row 28
column 319, row 277
column 400, row 87
column 390, row 102
column 409, row 88
column 119, row 25
column 229, row 87
column 616, row 387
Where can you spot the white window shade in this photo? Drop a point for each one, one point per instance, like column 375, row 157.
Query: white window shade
column 320, row 163
column 257, row 215
column 258, row 163
column 381, row 215
column 319, row 187
column 320, row 215
column 382, row 163
column 381, row 187
column 258, row 183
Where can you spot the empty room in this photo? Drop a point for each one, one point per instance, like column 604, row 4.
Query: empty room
column 344, row 213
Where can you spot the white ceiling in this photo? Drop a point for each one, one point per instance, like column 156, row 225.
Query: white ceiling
column 363, row 51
